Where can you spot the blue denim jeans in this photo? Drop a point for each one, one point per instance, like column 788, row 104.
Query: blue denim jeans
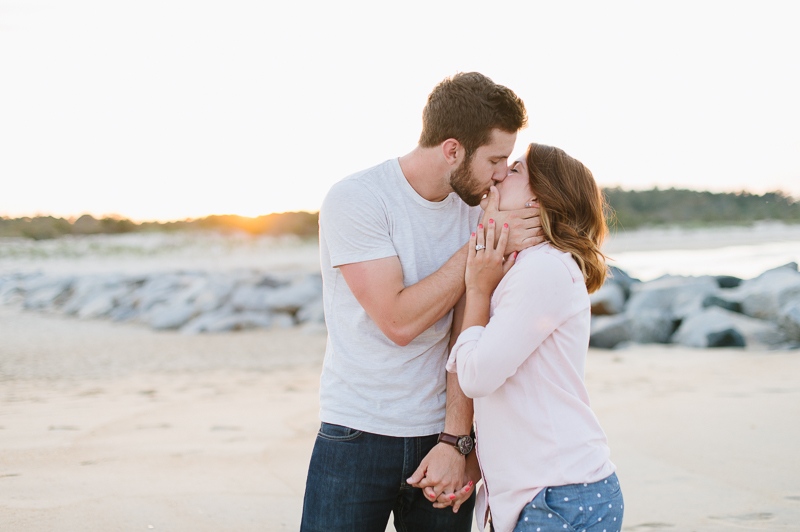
column 356, row 479
column 595, row 507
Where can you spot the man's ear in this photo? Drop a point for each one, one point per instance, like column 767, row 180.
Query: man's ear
column 452, row 150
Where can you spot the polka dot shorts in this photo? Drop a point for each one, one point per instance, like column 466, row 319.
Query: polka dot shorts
column 590, row 507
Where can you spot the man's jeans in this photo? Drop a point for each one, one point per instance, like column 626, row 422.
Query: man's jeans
column 356, row 479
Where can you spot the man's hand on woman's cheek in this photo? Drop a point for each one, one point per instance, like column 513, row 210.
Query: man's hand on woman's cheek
column 524, row 224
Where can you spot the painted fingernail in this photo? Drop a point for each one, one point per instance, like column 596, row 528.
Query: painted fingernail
column 480, row 226
column 466, row 489
column 491, row 221
column 473, row 234
column 515, row 254
column 505, row 225
column 470, row 483
column 452, row 497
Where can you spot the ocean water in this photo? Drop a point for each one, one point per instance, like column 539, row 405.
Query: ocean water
column 744, row 261
column 646, row 254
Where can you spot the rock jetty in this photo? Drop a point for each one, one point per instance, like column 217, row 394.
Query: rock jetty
column 190, row 302
column 706, row 311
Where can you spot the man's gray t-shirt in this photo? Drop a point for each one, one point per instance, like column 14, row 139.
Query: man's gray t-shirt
column 368, row 382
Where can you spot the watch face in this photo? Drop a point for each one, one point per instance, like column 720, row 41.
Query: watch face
column 465, row 444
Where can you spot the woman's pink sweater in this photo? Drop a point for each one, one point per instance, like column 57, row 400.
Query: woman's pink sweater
column 525, row 371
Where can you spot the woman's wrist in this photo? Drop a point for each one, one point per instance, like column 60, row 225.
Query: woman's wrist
column 476, row 293
column 476, row 311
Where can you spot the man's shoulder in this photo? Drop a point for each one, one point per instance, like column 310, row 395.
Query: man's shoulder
column 360, row 194
column 368, row 179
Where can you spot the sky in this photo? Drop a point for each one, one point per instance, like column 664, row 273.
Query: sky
column 171, row 109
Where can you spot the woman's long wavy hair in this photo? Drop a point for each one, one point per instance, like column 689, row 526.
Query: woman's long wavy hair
column 571, row 208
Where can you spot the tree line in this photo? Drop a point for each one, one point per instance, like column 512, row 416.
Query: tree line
column 628, row 209
column 689, row 208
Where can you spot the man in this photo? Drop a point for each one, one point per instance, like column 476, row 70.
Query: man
column 393, row 253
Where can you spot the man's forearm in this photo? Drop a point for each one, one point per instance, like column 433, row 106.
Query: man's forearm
column 458, row 419
column 421, row 305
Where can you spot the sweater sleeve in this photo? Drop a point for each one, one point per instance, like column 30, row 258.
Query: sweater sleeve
column 534, row 300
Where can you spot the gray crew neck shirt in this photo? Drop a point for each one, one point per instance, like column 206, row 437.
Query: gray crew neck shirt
column 368, row 382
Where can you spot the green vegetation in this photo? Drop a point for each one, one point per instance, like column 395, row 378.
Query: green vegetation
column 674, row 207
column 632, row 209
column 42, row 227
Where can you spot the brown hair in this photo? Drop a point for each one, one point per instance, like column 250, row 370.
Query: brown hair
column 467, row 107
column 571, row 207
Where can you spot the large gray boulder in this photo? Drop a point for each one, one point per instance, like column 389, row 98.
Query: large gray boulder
column 610, row 299
column 712, row 327
column 208, row 321
column 9, row 289
column 251, row 297
column 158, row 288
column 95, row 296
column 789, row 320
column 608, row 331
column 722, row 302
column 102, row 303
column 282, row 320
column 312, row 312
column 46, row 292
column 213, row 294
column 292, row 298
column 764, row 296
column 717, row 327
column 90, row 290
column 651, row 326
column 621, row 278
column 171, row 315
column 673, row 296
column 289, row 298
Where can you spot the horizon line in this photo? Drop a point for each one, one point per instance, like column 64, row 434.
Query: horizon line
column 116, row 216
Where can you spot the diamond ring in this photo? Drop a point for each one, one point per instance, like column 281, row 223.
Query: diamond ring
column 479, row 247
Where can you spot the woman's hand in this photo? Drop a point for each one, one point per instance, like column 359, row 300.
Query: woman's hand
column 485, row 264
column 472, row 474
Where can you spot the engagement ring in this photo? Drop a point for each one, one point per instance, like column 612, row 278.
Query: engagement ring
column 479, row 247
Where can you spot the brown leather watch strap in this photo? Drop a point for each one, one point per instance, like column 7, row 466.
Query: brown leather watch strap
column 448, row 438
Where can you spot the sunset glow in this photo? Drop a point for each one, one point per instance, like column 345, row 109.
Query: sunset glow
column 162, row 111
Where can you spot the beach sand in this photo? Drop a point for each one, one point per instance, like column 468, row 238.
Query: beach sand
column 110, row 427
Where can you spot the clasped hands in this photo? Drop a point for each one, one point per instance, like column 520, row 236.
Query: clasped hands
column 446, row 477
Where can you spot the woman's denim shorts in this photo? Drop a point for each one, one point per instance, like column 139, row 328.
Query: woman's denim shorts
column 595, row 507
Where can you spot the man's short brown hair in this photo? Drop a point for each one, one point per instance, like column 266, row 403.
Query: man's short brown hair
column 467, row 107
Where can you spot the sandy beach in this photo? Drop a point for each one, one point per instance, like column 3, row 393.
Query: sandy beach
column 110, row 427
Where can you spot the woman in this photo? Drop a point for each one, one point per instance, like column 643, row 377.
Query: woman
column 521, row 356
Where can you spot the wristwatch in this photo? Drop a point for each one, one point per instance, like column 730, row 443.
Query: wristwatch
column 464, row 444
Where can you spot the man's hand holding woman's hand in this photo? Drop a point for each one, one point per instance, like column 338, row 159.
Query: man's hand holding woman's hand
column 441, row 487
column 472, row 474
column 440, row 474
column 524, row 224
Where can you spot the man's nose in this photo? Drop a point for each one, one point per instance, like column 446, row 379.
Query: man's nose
column 501, row 173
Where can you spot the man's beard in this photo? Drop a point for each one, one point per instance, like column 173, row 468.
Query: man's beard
column 463, row 183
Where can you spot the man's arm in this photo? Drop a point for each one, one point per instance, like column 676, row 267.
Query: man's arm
column 402, row 313
column 442, row 471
